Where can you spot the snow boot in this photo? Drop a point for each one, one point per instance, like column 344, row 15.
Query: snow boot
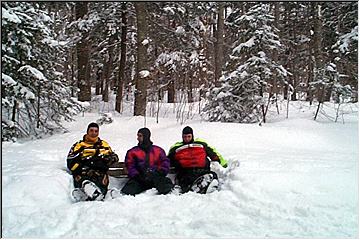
column 78, row 195
column 202, row 183
column 92, row 191
column 213, row 186
column 176, row 190
column 114, row 193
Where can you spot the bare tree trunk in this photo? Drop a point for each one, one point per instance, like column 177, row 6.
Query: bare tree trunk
column 212, row 51
column 158, row 106
column 98, row 81
column 309, row 96
column 71, row 61
column 105, row 92
column 190, row 88
column 81, row 9
column 204, row 76
column 275, row 54
column 171, row 90
column 66, row 67
column 287, row 20
column 120, row 83
column 310, row 49
column 267, row 105
column 263, row 105
column 14, row 110
column 293, row 60
column 317, row 36
column 219, row 45
column 38, row 105
column 88, row 71
column 294, row 70
column 295, row 84
column 286, row 91
column 316, row 7
column 107, row 69
column 141, row 81
column 102, row 77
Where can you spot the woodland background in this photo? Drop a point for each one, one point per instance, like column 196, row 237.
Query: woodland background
column 234, row 59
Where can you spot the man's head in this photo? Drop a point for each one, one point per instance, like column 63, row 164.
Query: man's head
column 92, row 130
column 187, row 135
column 143, row 135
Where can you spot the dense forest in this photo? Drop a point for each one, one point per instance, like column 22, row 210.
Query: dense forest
column 237, row 58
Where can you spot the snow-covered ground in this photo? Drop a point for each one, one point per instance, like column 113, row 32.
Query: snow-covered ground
column 298, row 178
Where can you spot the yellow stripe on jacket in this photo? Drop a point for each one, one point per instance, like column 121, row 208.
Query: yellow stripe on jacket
column 89, row 150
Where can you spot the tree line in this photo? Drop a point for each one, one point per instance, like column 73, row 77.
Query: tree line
column 239, row 57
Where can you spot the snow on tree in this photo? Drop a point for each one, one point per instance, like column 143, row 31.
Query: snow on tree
column 332, row 53
column 343, row 21
column 250, row 71
column 35, row 96
column 180, row 35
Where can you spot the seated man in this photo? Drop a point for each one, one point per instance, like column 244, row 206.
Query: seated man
column 190, row 158
column 88, row 160
column 147, row 167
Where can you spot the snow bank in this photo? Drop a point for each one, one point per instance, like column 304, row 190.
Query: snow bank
column 297, row 179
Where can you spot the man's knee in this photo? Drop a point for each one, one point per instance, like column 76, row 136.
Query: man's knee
column 132, row 187
column 164, row 185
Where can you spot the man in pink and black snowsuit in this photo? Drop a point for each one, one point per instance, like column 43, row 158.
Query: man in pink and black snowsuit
column 147, row 167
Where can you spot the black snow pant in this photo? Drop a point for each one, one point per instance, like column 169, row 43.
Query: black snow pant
column 137, row 185
column 186, row 177
column 100, row 179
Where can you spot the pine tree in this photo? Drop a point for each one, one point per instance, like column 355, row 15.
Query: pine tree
column 343, row 21
column 249, row 72
column 179, row 47
column 35, row 96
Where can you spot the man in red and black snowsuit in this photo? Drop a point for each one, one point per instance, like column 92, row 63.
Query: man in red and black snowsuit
column 147, row 167
column 191, row 160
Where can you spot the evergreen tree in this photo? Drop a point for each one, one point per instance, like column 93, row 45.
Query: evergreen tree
column 179, row 47
column 35, row 97
column 343, row 21
column 250, row 70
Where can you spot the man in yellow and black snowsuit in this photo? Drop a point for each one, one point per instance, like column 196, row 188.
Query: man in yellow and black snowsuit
column 89, row 160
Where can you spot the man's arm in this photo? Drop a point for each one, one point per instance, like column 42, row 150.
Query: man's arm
column 171, row 155
column 74, row 157
column 107, row 154
column 165, row 162
column 213, row 154
column 130, row 164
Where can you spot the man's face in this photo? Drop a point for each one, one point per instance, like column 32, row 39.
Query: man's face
column 187, row 138
column 140, row 137
column 93, row 132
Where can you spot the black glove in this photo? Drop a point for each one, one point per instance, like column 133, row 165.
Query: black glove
column 145, row 177
column 140, row 178
column 100, row 164
column 149, row 176
column 110, row 159
column 153, row 175
column 96, row 163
